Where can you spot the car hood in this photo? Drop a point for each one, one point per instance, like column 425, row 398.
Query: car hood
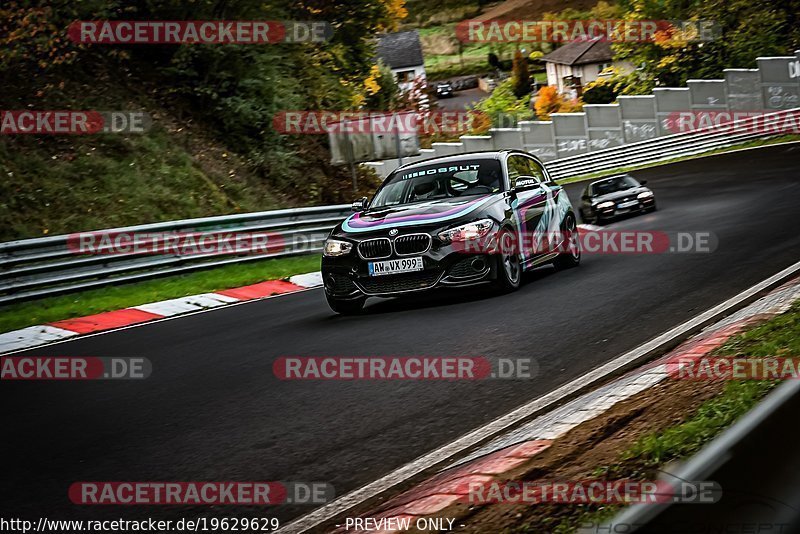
column 433, row 212
column 619, row 195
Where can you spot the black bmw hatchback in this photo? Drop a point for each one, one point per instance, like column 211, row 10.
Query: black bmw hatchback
column 418, row 231
column 612, row 197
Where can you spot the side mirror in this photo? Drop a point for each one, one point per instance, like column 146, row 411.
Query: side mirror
column 360, row 204
column 643, row 182
column 526, row 183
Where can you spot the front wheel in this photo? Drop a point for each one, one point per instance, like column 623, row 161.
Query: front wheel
column 346, row 307
column 509, row 267
column 571, row 256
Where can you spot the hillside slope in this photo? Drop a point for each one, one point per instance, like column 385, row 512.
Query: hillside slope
column 177, row 169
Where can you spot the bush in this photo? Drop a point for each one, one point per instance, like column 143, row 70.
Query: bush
column 502, row 108
column 549, row 101
column 600, row 91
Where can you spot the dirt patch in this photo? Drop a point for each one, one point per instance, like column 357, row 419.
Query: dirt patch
column 584, row 450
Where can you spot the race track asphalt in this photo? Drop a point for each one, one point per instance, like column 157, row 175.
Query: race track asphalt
column 212, row 409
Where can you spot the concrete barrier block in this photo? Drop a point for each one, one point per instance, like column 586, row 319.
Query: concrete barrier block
column 447, row 149
column 506, row 138
column 476, row 143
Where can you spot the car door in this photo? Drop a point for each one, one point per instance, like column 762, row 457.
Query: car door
column 557, row 205
column 529, row 201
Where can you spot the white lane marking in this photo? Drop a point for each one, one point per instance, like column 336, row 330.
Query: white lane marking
column 178, row 306
column 17, row 340
column 307, row 280
column 154, row 321
column 493, row 428
column 590, row 227
column 31, row 337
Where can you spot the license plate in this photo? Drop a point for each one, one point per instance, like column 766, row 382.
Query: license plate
column 403, row 265
column 628, row 204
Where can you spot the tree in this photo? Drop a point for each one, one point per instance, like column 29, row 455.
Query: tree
column 230, row 91
column 743, row 30
column 382, row 91
column 521, row 75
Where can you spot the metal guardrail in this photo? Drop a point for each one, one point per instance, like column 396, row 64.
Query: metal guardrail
column 672, row 146
column 46, row 266
column 34, row 268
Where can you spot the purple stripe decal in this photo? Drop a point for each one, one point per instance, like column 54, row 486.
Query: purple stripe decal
column 356, row 221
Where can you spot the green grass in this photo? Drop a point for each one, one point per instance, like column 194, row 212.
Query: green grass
column 445, row 70
column 788, row 138
column 20, row 315
column 713, row 416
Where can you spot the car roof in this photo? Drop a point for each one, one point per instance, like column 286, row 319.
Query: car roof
column 493, row 154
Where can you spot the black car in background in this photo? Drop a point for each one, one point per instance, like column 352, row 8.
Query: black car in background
column 427, row 225
column 612, row 197
column 444, row 90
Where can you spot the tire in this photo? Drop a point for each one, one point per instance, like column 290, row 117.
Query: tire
column 509, row 266
column 346, row 307
column 571, row 257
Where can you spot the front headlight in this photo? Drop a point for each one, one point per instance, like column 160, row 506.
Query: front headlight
column 473, row 230
column 645, row 194
column 335, row 247
column 604, row 205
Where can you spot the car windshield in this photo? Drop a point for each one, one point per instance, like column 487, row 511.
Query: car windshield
column 612, row 185
column 439, row 180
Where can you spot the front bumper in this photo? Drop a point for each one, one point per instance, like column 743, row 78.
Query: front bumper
column 616, row 210
column 347, row 277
